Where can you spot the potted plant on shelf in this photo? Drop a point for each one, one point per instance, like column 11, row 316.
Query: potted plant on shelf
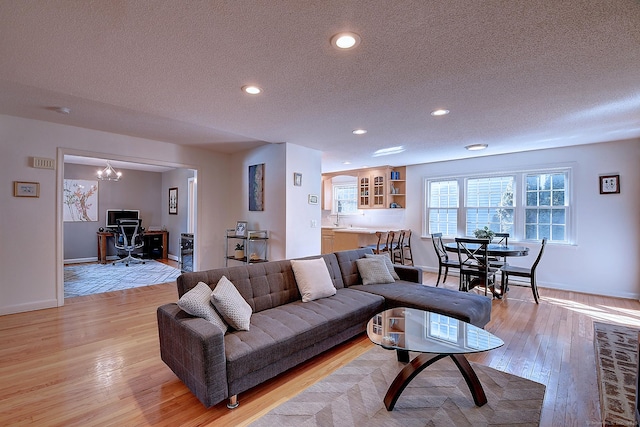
column 239, row 253
column 484, row 233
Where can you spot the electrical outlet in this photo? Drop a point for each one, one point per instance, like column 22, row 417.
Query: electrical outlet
column 314, row 223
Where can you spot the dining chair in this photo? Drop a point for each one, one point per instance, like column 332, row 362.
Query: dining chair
column 397, row 252
column 443, row 257
column 499, row 239
column 474, row 266
column 512, row 270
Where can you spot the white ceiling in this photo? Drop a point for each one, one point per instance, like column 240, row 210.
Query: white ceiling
column 517, row 75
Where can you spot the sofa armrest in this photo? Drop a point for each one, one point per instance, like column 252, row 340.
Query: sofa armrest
column 409, row 273
column 194, row 350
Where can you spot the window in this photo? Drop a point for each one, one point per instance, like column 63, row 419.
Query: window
column 529, row 205
column 345, row 198
column 489, row 202
column 443, row 207
column 546, row 207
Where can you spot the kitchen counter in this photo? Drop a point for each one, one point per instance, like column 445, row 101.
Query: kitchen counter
column 346, row 238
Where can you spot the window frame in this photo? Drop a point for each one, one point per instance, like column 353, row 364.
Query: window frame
column 519, row 207
column 334, row 201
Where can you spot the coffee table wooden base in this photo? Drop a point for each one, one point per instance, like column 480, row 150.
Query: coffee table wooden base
column 424, row 360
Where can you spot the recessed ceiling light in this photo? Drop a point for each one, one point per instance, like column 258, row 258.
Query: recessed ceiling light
column 345, row 40
column 476, row 147
column 63, row 110
column 347, row 162
column 359, row 131
column 251, row 89
column 439, row 112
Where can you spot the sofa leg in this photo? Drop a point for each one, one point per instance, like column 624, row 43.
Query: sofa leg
column 233, row 402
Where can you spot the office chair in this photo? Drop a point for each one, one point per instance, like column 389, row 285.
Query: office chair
column 128, row 237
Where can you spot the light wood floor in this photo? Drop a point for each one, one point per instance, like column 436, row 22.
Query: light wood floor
column 96, row 361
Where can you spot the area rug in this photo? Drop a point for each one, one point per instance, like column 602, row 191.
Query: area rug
column 617, row 361
column 88, row 279
column 438, row 396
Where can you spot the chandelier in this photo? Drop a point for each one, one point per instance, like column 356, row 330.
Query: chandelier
column 109, row 174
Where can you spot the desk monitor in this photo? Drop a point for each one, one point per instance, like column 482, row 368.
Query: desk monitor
column 113, row 215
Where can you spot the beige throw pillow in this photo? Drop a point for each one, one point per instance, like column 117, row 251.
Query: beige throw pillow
column 196, row 302
column 313, row 279
column 231, row 306
column 387, row 262
column 373, row 271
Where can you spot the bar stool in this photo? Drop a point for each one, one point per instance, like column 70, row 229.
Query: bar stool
column 406, row 247
column 397, row 253
column 385, row 243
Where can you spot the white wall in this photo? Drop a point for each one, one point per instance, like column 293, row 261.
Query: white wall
column 303, row 220
column 31, row 229
column 606, row 256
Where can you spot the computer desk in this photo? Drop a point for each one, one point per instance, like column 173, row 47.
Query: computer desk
column 103, row 236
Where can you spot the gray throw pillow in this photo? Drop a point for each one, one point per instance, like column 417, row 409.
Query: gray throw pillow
column 373, row 271
column 197, row 302
column 387, row 262
column 230, row 304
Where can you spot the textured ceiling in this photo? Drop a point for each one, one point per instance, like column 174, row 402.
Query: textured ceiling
column 517, row 75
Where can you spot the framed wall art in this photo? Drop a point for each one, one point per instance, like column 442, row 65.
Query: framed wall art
column 297, row 179
column 256, row 187
column 26, row 189
column 313, row 199
column 173, row 201
column 80, row 200
column 610, row 184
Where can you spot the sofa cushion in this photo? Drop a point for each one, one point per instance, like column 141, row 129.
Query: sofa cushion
column 230, row 304
column 348, row 266
column 197, row 303
column 387, row 262
column 468, row 307
column 373, row 271
column 285, row 330
column 313, row 279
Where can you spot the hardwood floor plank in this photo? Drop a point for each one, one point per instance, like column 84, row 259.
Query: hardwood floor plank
column 96, row 360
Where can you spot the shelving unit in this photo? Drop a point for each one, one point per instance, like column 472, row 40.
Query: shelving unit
column 397, row 188
column 254, row 246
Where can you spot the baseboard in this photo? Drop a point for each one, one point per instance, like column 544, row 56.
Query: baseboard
column 31, row 306
column 90, row 259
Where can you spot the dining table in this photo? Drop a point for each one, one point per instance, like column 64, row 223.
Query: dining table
column 493, row 250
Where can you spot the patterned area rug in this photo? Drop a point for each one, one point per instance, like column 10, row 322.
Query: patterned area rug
column 438, row 396
column 617, row 359
column 88, row 279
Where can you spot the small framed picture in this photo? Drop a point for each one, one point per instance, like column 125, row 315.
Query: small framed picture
column 297, row 179
column 610, row 184
column 173, row 201
column 26, row 189
column 313, row 199
column 241, row 228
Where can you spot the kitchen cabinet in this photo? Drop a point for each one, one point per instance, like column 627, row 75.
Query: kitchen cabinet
column 327, row 241
column 372, row 189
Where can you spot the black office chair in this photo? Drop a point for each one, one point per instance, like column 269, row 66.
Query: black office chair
column 474, row 265
column 509, row 270
column 128, row 237
column 443, row 258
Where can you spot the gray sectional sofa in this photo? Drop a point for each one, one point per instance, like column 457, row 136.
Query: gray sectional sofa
column 284, row 331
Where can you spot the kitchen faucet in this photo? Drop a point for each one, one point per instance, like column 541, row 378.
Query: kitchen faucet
column 337, row 223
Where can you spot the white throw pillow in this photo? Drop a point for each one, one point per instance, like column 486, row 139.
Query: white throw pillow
column 231, row 306
column 313, row 279
column 373, row 271
column 197, row 302
column 387, row 262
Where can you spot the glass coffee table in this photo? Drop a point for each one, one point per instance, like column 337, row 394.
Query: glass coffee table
column 435, row 337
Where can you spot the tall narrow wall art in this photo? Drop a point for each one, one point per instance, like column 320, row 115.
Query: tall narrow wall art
column 256, row 187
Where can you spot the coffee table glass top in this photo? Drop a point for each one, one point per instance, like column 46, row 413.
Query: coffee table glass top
column 426, row 332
